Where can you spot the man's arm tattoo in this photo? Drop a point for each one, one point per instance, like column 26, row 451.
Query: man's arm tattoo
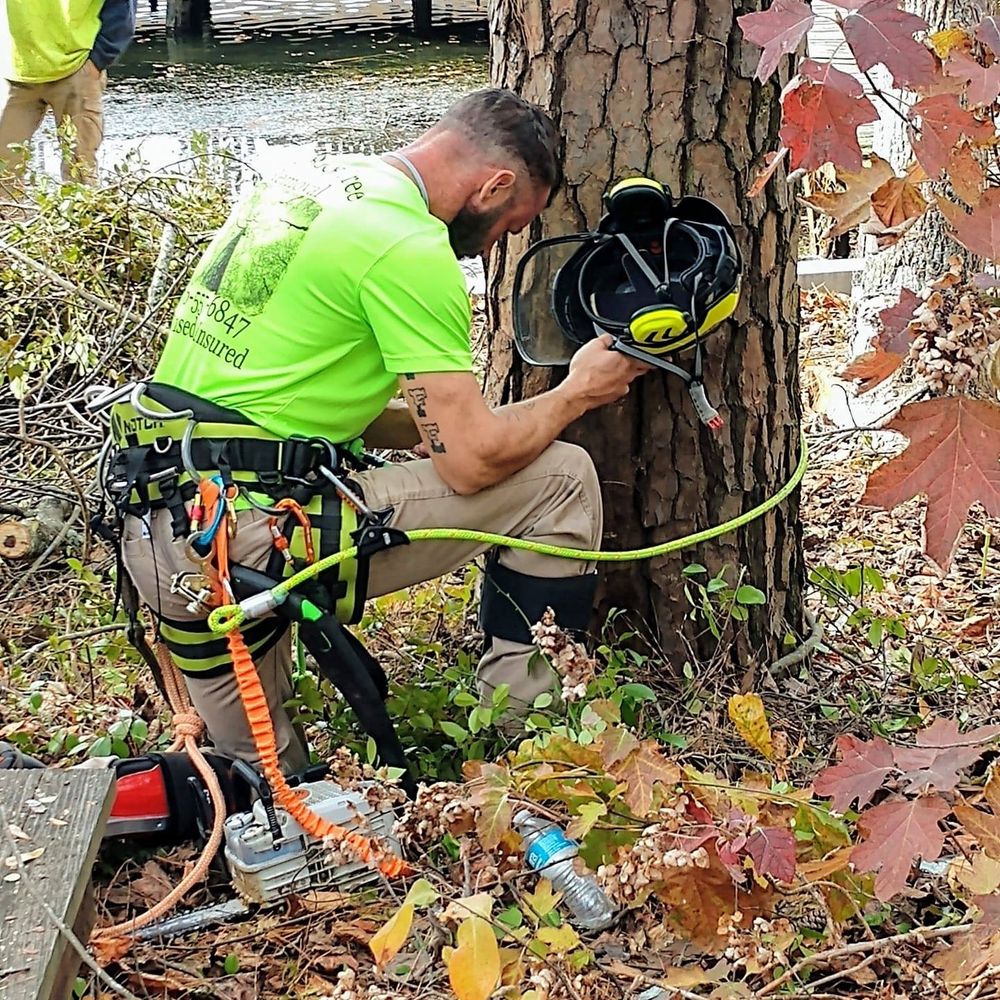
column 418, row 397
column 433, row 432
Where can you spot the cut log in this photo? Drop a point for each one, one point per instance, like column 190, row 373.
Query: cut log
column 27, row 537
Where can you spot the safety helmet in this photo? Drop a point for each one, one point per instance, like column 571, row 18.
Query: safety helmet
column 658, row 275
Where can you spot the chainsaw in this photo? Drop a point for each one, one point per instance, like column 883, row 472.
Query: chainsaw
column 267, row 855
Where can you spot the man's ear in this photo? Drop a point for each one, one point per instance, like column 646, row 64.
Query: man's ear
column 497, row 188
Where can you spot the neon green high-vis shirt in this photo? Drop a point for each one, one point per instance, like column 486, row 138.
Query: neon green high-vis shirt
column 315, row 296
column 46, row 40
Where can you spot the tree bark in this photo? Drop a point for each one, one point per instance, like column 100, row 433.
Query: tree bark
column 666, row 89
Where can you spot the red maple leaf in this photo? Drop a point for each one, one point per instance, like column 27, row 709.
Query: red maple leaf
column 973, row 951
column 773, row 851
column 779, row 31
column 945, row 733
column 941, row 752
column 988, row 32
column 953, row 458
column 822, row 109
column 980, row 230
column 898, row 832
column 943, row 122
column 860, row 773
column 879, row 32
column 895, row 336
column 983, row 81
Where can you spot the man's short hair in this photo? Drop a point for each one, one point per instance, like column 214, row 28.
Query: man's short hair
column 503, row 120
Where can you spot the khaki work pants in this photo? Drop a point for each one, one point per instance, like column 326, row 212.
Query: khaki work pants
column 77, row 97
column 556, row 499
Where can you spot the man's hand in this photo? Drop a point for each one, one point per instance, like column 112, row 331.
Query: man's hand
column 598, row 374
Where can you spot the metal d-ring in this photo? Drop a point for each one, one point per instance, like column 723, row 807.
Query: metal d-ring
column 187, row 459
column 136, row 402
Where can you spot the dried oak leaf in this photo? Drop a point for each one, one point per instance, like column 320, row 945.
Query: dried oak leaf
column 984, row 826
column 879, row 32
column 853, row 207
column 898, row 832
column 641, row 771
column 871, row 369
column 977, row 948
column 953, row 458
column 943, row 123
column 822, row 109
column 778, row 31
column 980, row 230
column 859, row 775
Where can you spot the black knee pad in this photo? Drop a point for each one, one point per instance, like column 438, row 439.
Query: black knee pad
column 512, row 602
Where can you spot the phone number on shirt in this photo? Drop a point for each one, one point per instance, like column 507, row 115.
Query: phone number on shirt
column 205, row 305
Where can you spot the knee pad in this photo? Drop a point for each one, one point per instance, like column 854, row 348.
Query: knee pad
column 512, row 602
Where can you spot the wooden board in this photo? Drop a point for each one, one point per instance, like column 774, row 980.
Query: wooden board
column 63, row 813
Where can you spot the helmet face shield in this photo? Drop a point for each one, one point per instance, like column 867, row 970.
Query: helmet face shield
column 548, row 333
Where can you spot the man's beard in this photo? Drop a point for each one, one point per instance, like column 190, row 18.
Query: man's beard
column 467, row 232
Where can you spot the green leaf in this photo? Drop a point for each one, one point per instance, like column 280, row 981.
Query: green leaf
column 500, row 695
column 542, row 701
column 511, row 917
column 232, row 964
column 638, row 692
column 750, row 595
column 100, row 747
column 465, row 699
column 454, row 730
column 422, row 893
column 694, row 569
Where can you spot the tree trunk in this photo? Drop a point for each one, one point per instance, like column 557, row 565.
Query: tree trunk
column 923, row 253
column 667, row 89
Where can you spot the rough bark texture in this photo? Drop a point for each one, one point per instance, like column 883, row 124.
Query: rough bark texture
column 666, row 89
column 923, row 254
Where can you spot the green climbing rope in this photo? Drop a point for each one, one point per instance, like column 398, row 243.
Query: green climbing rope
column 232, row 616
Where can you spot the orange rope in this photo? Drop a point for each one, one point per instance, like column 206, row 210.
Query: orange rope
column 188, row 726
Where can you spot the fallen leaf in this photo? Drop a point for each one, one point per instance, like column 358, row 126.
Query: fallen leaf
column 588, row 814
column 16, row 832
column 493, row 800
column 895, row 336
column 616, row 744
column 746, row 712
column 542, row 900
column 863, row 767
column 642, row 771
column 474, row 965
column 943, row 123
column 822, row 109
column 478, row 905
column 879, row 32
column 898, row 832
column 559, row 939
column 392, row 935
column 984, row 826
column 773, row 851
column 853, row 206
column 980, row 876
column 12, row 877
column 983, row 81
column 978, row 231
column 821, row 870
column 779, row 31
column 944, row 732
column 977, row 948
column 871, row 369
column 952, row 458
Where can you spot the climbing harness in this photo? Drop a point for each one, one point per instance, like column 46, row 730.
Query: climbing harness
column 658, row 275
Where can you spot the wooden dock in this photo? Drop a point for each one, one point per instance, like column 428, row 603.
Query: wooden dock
column 51, row 823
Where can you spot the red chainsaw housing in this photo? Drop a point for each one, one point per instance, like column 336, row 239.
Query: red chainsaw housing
column 141, row 795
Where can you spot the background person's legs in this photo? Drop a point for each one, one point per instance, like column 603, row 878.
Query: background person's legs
column 80, row 98
column 556, row 499
column 22, row 109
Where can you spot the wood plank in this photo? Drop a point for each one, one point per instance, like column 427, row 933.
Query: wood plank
column 64, row 813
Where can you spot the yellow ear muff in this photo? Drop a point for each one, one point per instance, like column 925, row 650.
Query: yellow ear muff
column 721, row 311
column 661, row 329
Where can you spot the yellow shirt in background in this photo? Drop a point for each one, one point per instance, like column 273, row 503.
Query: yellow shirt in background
column 46, row 40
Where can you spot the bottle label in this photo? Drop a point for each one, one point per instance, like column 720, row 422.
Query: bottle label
column 548, row 845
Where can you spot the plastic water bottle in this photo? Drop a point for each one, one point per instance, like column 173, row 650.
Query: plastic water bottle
column 550, row 852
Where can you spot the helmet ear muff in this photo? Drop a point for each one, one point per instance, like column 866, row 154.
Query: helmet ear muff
column 640, row 199
column 661, row 329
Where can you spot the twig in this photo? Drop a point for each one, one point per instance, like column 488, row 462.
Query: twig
column 84, row 634
column 66, row 932
column 860, row 947
column 804, row 649
column 66, row 285
column 840, row 973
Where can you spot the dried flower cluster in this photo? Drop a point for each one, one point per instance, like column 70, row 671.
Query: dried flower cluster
column 569, row 658
column 438, row 809
column 954, row 329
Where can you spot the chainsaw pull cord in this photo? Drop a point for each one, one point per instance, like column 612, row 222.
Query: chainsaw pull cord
column 262, row 730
